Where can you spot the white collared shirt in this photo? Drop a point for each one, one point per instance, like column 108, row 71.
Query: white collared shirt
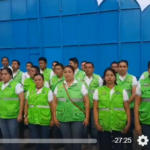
column 76, row 71
column 25, row 76
column 142, row 76
column 88, row 80
column 51, row 74
column 125, row 95
column 84, row 90
column 15, row 73
column 134, row 80
column 49, row 97
column 8, row 67
column 18, row 89
column 138, row 89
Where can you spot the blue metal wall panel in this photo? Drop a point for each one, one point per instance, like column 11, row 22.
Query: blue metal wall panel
column 60, row 29
column 5, row 35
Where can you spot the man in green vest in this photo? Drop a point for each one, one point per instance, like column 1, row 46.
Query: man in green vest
column 127, row 82
column 114, row 65
column 17, row 74
column 83, row 65
column 47, row 73
column 142, row 110
column 29, row 82
column 92, row 82
column 79, row 75
column 146, row 73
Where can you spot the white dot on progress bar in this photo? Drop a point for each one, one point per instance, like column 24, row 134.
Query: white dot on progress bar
column 21, row 141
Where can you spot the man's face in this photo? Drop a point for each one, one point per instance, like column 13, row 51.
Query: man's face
column 32, row 72
column 115, row 67
column 15, row 65
column 28, row 67
column 82, row 66
column 42, row 64
column 89, row 69
column 54, row 63
column 123, row 68
column 73, row 64
column 5, row 62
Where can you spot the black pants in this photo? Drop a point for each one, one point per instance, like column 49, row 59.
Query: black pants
column 108, row 141
column 129, row 146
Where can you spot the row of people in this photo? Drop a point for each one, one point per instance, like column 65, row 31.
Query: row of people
column 91, row 85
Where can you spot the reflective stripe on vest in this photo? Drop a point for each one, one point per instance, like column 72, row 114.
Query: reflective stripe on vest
column 92, row 91
column 39, row 106
column 145, row 100
column 107, row 109
column 120, row 109
column 73, row 99
column 10, row 98
column 104, row 109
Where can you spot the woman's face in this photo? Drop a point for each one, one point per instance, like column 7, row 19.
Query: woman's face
column 6, row 77
column 39, row 82
column 68, row 74
column 110, row 78
column 58, row 71
column 0, row 75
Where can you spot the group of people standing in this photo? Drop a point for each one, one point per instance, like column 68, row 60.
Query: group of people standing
column 74, row 104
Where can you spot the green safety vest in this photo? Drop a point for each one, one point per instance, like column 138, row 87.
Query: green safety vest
column 80, row 76
column 112, row 116
column 1, row 83
column 28, row 83
column 46, row 74
column 92, row 87
column 126, row 84
column 144, row 110
column 9, row 102
column 18, row 77
column 66, row 111
column 146, row 74
column 38, row 107
column 55, row 80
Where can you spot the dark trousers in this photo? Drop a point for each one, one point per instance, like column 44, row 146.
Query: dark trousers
column 40, row 132
column 107, row 140
column 146, row 132
column 9, row 128
column 91, row 129
column 129, row 146
column 72, row 130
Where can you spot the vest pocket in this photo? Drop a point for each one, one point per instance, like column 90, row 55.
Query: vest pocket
column 103, row 119
column 12, row 110
column 78, row 115
column 59, row 113
column 144, row 116
column 44, row 116
column 121, row 120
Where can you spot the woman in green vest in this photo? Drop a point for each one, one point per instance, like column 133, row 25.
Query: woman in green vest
column 59, row 77
column 142, row 111
column 1, row 82
column 11, row 107
column 71, row 108
column 38, row 114
column 111, row 113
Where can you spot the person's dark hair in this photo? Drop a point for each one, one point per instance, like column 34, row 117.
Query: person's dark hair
column 29, row 63
column 5, row 58
column 69, row 66
column 149, row 64
column 9, row 71
column 114, row 62
column 89, row 63
column 123, row 61
column 36, row 68
column 1, row 69
column 55, row 62
column 75, row 60
column 83, row 62
column 18, row 62
column 43, row 59
column 39, row 74
column 61, row 65
column 112, row 70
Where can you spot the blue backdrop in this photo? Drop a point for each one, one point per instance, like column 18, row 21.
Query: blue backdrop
column 60, row 29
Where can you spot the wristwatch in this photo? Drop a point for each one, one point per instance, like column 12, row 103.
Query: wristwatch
column 25, row 116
